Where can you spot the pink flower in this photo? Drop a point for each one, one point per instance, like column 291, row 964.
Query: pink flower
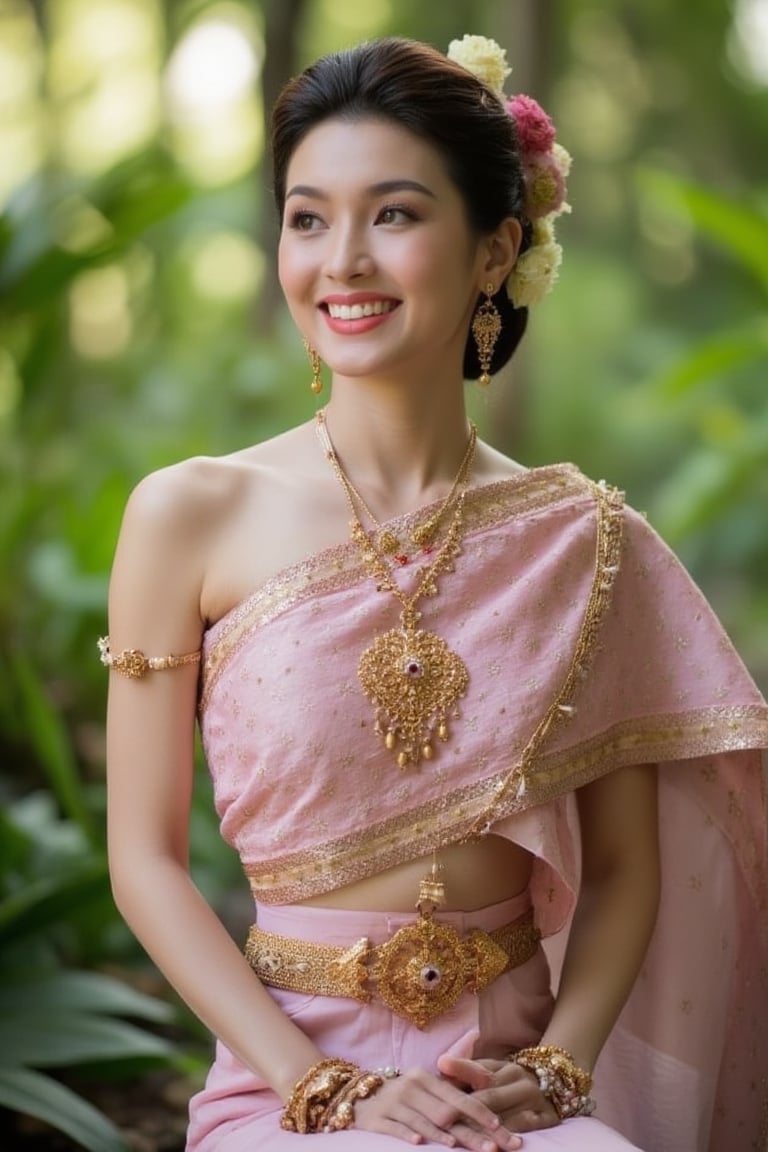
column 544, row 185
column 535, row 130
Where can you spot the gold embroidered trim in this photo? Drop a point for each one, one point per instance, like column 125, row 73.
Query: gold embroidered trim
column 295, row 876
column 655, row 739
column 608, row 538
column 133, row 664
column 419, row 973
column 335, row 569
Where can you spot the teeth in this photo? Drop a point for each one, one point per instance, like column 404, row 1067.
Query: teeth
column 358, row 311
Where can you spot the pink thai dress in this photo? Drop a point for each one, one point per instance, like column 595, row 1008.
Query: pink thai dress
column 588, row 648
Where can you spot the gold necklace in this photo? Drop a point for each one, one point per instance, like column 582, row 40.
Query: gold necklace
column 422, row 535
column 412, row 677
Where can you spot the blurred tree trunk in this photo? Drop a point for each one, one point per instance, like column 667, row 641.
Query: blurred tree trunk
column 282, row 20
column 527, row 30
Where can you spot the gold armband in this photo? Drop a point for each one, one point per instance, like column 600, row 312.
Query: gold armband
column 131, row 662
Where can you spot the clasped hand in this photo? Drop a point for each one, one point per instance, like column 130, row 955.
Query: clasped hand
column 480, row 1105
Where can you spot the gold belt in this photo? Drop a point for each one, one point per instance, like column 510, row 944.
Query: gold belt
column 419, row 973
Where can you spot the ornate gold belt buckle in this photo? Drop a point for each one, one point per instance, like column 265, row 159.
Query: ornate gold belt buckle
column 423, row 970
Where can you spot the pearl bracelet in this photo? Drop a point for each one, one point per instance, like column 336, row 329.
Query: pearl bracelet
column 565, row 1085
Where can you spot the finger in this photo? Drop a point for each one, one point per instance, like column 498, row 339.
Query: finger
column 531, row 1119
column 470, row 1072
column 401, row 1132
column 445, row 1105
column 416, row 1122
column 501, row 1141
column 468, row 1108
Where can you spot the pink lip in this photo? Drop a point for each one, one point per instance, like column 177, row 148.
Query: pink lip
column 356, row 327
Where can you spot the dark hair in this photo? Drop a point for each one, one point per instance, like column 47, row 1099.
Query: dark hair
column 418, row 88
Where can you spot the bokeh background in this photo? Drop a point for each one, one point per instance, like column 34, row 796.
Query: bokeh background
column 140, row 323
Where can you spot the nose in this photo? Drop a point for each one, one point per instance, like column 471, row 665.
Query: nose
column 348, row 255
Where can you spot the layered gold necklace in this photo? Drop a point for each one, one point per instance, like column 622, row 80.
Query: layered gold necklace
column 412, row 677
column 422, row 535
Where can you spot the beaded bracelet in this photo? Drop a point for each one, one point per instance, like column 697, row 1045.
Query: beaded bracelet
column 565, row 1085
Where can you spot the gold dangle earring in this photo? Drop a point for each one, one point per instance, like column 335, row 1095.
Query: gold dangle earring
column 486, row 327
column 314, row 359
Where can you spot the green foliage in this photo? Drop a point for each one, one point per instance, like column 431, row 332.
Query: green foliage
column 710, row 375
column 34, row 1094
column 51, row 1017
column 713, row 500
column 742, row 230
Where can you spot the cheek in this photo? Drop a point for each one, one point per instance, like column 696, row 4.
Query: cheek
column 292, row 266
column 439, row 266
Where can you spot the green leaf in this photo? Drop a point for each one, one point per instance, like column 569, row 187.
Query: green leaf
column 737, row 227
column 50, row 740
column 59, row 1037
column 15, row 848
column 34, row 1094
column 88, row 992
column 719, row 356
column 51, row 899
column 708, row 484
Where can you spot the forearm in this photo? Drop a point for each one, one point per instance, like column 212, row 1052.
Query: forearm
column 611, row 928
column 199, row 958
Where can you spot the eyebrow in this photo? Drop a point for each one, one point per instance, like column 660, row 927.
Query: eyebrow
column 383, row 188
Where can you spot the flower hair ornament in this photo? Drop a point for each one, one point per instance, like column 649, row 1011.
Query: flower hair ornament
column 546, row 165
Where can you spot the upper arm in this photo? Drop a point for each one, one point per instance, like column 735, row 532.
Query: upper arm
column 618, row 817
column 154, row 606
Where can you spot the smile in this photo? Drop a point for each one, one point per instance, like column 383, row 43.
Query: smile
column 360, row 311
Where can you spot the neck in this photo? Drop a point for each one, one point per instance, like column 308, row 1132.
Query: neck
column 403, row 449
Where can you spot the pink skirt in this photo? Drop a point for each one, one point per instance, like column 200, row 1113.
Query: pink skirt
column 238, row 1112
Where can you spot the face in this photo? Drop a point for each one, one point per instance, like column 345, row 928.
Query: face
column 377, row 261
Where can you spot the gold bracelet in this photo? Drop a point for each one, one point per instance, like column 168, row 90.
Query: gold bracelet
column 341, row 1110
column 307, row 1106
column 561, row 1080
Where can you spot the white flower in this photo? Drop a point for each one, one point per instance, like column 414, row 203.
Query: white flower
column 534, row 274
column 482, row 57
column 562, row 158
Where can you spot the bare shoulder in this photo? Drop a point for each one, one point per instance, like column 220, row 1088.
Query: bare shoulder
column 189, row 488
column 195, row 496
column 492, row 465
column 186, row 545
column 169, row 528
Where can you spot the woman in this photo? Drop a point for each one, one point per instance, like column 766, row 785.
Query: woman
column 428, row 676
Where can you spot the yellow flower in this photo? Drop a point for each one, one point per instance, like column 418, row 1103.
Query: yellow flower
column 482, row 57
column 534, row 274
column 543, row 232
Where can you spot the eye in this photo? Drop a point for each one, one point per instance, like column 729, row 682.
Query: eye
column 303, row 221
column 396, row 214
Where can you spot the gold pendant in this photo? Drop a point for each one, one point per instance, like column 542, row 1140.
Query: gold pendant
column 414, row 680
column 431, row 892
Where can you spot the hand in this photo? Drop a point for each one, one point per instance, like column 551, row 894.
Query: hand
column 418, row 1107
column 507, row 1089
